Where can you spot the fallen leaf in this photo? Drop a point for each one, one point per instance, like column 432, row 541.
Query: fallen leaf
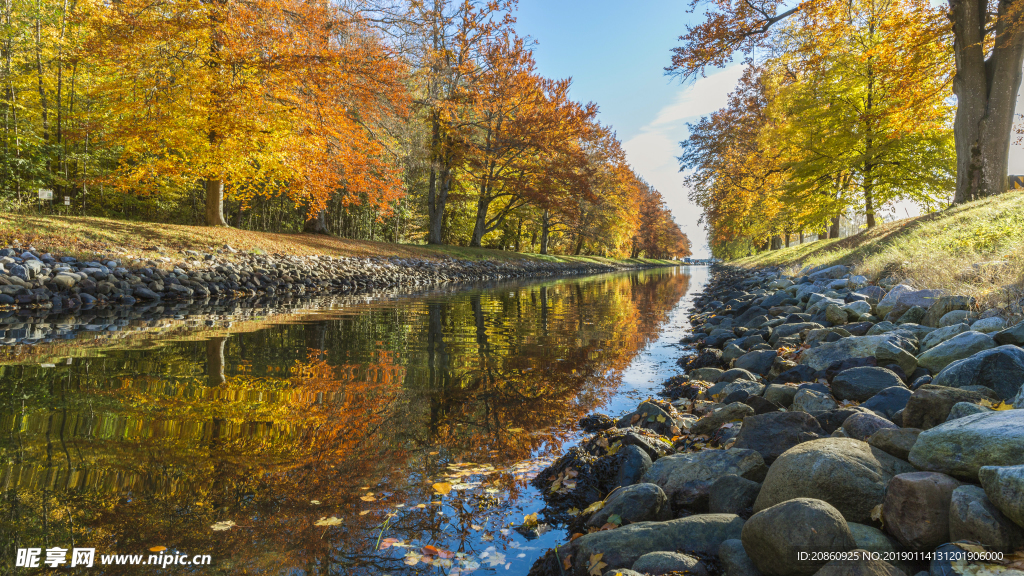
column 530, row 521
column 430, row 550
column 608, row 526
column 158, row 548
column 442, row 488
column 567, row 562
column 575, row 536
column 594, row 507
column 364, row 512
column 368, row 497
column 225, row 525
column 332, row 521
column 595, row 565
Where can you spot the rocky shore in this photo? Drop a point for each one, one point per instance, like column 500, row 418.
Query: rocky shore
column 34, row 280
column 827, row 424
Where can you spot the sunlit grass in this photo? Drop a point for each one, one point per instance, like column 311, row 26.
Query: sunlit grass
column 976, row 249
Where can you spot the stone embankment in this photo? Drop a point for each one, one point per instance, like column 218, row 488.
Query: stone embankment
column 826, row 424
column 37, row 280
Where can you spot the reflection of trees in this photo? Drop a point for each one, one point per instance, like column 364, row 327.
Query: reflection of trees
column 148, row 448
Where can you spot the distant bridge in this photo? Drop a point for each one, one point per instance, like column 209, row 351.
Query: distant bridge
column 700, row 262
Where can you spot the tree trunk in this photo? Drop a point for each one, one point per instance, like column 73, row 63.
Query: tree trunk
column 479, row 229
column 986, row 91
column 317, row 224
column 545, row 231
column 801, row 237
column 787, row 239
column 440, row 181
column 215, row 202
column 215, row 361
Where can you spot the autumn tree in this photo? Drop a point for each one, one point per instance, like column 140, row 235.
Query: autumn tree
column 277, row 97
column 988, row 43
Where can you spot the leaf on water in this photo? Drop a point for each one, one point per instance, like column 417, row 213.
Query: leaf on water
column 530, row 521
column 364, row 512
column 158, row 548
column 411, row 560
column 314, row 502
column 225, row 525
column 388, row 543
column 442, row 488
column 332, row 521
column 595, row 564
column 487, row 537
column 574, row 511
column 433, row 453
column 421, row 505
column 430, row 550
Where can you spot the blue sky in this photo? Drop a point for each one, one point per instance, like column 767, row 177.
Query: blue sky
column 615, row 53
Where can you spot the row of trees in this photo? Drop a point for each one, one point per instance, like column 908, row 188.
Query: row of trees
column 847, row 107
column 404, row 121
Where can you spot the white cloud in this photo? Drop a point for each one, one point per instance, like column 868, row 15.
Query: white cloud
column 653, row 151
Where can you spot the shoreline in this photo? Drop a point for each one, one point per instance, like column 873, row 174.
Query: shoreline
column 34, row 280
column 825, row 410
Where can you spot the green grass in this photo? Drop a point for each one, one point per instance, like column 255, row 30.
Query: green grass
column 938, row 250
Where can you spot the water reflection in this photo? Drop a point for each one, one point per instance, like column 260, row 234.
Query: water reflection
column 375, row 440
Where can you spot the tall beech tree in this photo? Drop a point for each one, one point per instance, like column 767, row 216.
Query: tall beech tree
column 988, row 42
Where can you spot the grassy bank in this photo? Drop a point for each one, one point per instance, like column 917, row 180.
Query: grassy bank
column 975, row 249
column 84, row 237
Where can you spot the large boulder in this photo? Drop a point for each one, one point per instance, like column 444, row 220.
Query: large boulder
column 732, row 494
column 923, row 299
column 634, row 462
column 973, row 517
column 831, row 273
column 887, row 303
column 861, row 426
column 943, row 306
column 774, row 536
column 813, row 401
column 1012, row 335
column 636, row 503
column 961, row 447
column 773, row 433
column 929, row 405
column 895, row 441
column 759, row 362
column 1000, row 368
column 686, row 478
column 849, row 474
column 860, row 384
column 655, row 563
column 829, row 353
column 1004, row 486
column 731, row 413
column 622, row 547
column 936, row 337
column 960, row 346
column 786, row 330
column 889, row 401
column 781, row 394
column 916, row 508
column 735, row 559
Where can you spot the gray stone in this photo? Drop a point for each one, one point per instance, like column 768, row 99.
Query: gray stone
column 825, row 355
column 836, row 315
column 921, row 298
column 961, row 447
column 706, row 374
column 636, row 503
column 849, row 474
column 912, row 316
column 735, row 560
column 759, row 362
column 889, row 353
column 65, row 281
column 960, row 346
column 955, row 317
column 989, row 325
column 961, row 409
column 929, row 405
column 808, row 400
column 895, row 441
column 973, row 517
column 634, row 463
column 943, row 306
column 857, row 309
column 655, row 563
column 732, row 494
column 781, row 394
column 1000, row 368
column 732, row 352
column 861, row 383
column 916, row 508
column 831, row 273
column 881, row 328
column 732, row 413
column 940, row 335
column 886, row 304
column 687, row 478
column 872, row 539
column 750, row 387
column 773, row 536
column 791, row 329
column 773, row 433
column 861, row 426
column 1004, row 486
column 622, row 547
column 1013, row 335
column 889, row 401
column 734, row 374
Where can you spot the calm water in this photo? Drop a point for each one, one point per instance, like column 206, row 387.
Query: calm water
column 391, row 437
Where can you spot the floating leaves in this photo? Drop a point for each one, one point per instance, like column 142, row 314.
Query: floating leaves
column 332, row 521
column 158, row 548
column 224, row 525
column 369, row 497
column 442, row 488
column 530, row 521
